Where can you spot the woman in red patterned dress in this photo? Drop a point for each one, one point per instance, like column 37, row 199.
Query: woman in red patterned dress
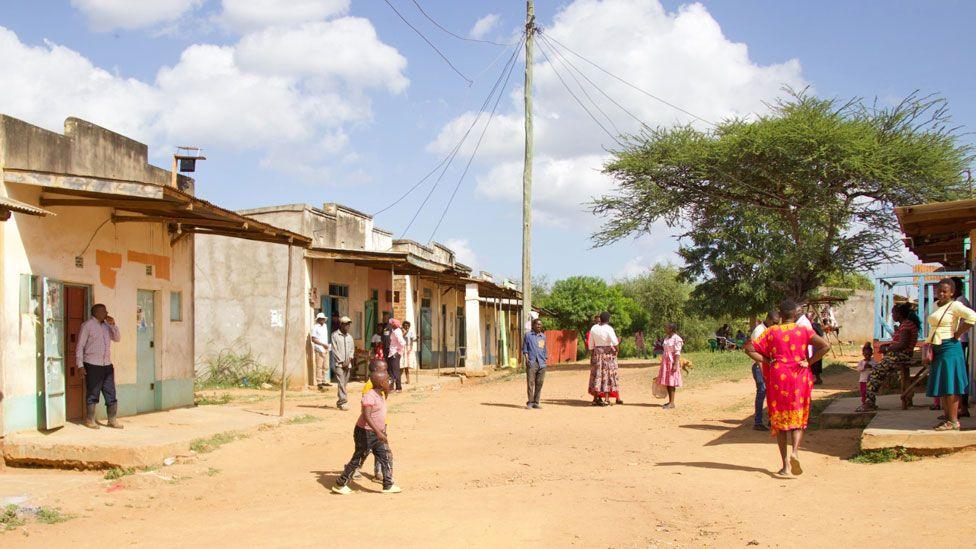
column 782, row 350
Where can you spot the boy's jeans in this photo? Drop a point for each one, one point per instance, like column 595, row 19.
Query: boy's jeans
column 367, row 442
column 760, row 392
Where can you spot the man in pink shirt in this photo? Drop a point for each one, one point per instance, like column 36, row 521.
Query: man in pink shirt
column 397, row 344
column 94, row 352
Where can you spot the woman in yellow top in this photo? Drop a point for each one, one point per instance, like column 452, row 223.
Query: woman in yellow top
column 947, row 373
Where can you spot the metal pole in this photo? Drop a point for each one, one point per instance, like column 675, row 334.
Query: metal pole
column 284, row 345
column 527, row 169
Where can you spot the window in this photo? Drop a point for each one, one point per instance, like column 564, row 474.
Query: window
column 396, row 297
column 357, row 326
column 388, row 296
column 176, row 306
column 30, row 294
column 338, row 290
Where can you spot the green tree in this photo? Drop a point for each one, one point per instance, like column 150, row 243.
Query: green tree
column 574, row 301
column 772, row 207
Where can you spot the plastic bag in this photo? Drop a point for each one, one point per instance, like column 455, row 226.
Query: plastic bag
column 659, row 391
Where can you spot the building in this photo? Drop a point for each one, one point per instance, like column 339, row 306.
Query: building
column 86, row 219
column 352, row 268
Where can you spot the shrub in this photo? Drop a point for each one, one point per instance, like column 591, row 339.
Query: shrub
column 235, row 369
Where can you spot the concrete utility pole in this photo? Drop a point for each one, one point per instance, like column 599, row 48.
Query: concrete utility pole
column 527, row 170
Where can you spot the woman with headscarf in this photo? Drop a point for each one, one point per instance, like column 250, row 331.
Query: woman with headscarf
column 782, row 349
column 604, row 380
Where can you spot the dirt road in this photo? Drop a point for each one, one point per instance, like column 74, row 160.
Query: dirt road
column 479, row 470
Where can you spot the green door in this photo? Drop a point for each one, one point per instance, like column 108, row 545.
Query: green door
column 146, row 382
column 369, row 321
column 426, row 338
column 53, row 355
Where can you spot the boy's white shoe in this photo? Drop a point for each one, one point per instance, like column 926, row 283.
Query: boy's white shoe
column 392, row 490
column 343, row 490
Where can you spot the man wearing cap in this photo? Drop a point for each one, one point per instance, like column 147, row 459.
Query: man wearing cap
column 320, row 348
column 343, row 353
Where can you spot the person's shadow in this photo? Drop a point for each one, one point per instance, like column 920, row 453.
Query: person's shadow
column 328, row 479
column 503, row 405
column 717, row 465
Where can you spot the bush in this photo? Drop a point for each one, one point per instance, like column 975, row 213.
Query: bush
column 232, row 369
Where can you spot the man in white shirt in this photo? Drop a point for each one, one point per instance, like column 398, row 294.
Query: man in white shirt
column 772, row 318
column 320, row 349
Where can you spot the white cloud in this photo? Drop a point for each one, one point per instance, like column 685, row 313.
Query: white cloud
column 681, row 56
column 106, row 15
column 484, row 25
column 247, row 15
column 214, row 97
column 463, row 252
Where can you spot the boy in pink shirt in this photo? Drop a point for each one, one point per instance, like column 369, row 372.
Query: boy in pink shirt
column 369, row 436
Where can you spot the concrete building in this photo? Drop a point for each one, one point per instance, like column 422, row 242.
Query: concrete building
column 352, row 269
column 94, row 222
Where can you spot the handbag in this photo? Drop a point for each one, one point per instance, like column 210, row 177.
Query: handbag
column 928, row 350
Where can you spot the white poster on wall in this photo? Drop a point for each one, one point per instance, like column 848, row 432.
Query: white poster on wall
column 277, row 319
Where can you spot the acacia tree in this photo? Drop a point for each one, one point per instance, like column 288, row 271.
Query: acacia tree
column 574, row 300
column 772, row 207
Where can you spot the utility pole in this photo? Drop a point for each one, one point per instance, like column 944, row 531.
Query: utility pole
column 527, row 169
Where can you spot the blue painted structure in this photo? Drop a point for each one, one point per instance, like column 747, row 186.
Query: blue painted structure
column 886, row 287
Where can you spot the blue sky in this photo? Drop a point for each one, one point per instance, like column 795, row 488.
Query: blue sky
column 329, row 100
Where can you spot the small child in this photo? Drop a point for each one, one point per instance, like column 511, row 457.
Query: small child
column 864, row 367
column 369, row 436
column 375, row 365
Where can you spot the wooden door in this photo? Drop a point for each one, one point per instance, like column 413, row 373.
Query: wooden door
column 75, row 313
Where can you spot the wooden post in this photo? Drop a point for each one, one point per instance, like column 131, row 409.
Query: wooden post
column 284, row 346
column 527, row 168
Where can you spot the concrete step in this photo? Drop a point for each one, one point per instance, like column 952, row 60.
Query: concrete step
column 840, row 413
column 912, row 429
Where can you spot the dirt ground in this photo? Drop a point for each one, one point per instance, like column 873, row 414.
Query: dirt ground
column 479, row 470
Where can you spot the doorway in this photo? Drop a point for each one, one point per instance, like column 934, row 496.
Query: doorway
column 146, row 382
column 77, row 303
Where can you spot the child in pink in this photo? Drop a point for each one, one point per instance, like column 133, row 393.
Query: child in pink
column 864, row 367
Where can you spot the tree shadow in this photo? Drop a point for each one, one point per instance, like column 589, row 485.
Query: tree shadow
column 717, row 465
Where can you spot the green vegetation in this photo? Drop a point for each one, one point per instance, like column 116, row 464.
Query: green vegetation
column 711, row 367
column 116, row 473
column 9, row 519
column 306, row 418
column 207, row 400
column 49, row 515
column 212, row 471
column 235, row 368
column 13, row 516
column 776, row 205
column 205, row 445
column 884, row 455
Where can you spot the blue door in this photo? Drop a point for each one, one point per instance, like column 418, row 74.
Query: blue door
column 146, row 382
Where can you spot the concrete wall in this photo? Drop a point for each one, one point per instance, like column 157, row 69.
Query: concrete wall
column 856, row 317
column 47, row 247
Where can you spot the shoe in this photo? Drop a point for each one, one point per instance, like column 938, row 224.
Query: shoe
column 818, row 381
column 344, row 407
column 528, row 406
column 392, row 490
column 113, row 411
column 619, row 401
column 759, row 427
column 536, row 405
column 341, row 490
column 90, row 417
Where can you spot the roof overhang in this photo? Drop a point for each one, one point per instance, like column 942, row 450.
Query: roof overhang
column 138, row 202
column 399, row 262
column 8, row 205
column 935, row 232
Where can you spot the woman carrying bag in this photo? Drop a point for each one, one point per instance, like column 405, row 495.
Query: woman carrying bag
column 943, row 353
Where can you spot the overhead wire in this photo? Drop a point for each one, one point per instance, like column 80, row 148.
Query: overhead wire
column 431, row 44
column 455, row 35
column 474, row 152
column 484, row 105
column 453, row 150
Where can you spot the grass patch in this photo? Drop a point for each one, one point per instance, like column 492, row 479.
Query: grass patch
column 208, row 400
column 884, row 455
column 835, row 368
column 306, row 418
column 205, row 445
column 116, row 473
column 230, row 368
column 213, row 471
column 51, row 515
column 715, row 367
column 9, row 519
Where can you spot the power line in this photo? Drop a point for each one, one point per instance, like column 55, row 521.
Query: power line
column 431, row 44
column 459, row 37
column 577, row 99
column 477, row 145
column 484, row 105
column 634, row 86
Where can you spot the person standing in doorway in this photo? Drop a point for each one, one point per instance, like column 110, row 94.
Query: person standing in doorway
column 535, row 356
column 395, row 353
column 759, row 372
column 343, row 353
column 406, row 364
column 320, row 350
column 94, row 352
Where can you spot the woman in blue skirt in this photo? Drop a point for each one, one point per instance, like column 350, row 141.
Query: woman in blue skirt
column 947, row 372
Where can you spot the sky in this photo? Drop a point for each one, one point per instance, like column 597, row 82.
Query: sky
column 321, row 101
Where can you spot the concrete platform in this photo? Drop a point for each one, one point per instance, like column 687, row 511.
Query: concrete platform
column 146, row 440
column 912, row 429
column 840, row 413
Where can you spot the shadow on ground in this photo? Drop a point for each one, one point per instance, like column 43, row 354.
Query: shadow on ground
column 716, row 465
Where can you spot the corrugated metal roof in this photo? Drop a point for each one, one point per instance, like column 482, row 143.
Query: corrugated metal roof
column 22, row 207
column 936, row 232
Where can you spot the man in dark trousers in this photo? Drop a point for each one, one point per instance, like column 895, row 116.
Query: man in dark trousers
column 94, row 354
column 535, row 355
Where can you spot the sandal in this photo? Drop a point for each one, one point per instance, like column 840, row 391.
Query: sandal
column 947, row 426
column 866, row 408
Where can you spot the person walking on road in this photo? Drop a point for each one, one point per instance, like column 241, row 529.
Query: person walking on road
column 406, row 363
column 604, row 374
column 790, row 382
column 669, row 374
column 535, row 356
column 320, row 350
column 343, row 353
column 94, row 352
column 759, row 370
column 395, row 353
